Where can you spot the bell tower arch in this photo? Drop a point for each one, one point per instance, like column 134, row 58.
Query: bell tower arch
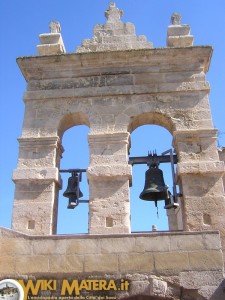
column 114, row 83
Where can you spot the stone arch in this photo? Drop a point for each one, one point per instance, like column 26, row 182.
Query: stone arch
column 67, row 122
column 153, row 118
column 76, row 155
column 72, row 119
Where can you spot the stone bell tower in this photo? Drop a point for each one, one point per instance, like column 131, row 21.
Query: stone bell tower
column 114, row 83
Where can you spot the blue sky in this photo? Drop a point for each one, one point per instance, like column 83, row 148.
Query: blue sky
column 22, row 21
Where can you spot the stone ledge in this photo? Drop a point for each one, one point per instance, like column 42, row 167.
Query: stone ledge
column 51, row 141
column 115, row 137
column 198, row 57
column 192, row 134
column 201, row 167
column 28, row 174
column 114, row 90
column 116, row 172
column 10, row 233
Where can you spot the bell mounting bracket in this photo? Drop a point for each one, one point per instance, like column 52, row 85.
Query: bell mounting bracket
column 78, row 173
column 153, row 160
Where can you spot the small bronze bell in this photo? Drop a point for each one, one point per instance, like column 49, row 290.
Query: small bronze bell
column 72, row 188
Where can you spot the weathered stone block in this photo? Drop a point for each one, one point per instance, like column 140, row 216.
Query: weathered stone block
column 43, row 222
column 118, row 245
column 178, row 30
column 50, row 38
column 48, row 247
column 32, row 264
column 136, row 262
column 15, row 246
column 205, row 260
column 121, row 227
column 212, row 241
column 153, row 244
column 50, row 49
column 197, row 279
column 187, row 243
column 139, row 288
column 66, row 263
column 180, row 41
column 7, row 264
column 201, row 167
column 173, row 262
column 212, row 292
column 82, row 246
column 36, row 174
column 158, row 287
column 100, row 263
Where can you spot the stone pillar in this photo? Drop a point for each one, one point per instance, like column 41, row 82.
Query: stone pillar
column 109, row 177
column 200, row 175
column 51, row 43
column 221, row 152
column 175, row 217
column 178, row 35
column 37, row 182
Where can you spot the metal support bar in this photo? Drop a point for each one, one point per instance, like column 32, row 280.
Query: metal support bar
column 73, row 171
column 175, row 195
column 152, row 159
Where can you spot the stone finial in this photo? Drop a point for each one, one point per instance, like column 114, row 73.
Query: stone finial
column 51, row 43
column 175, row 19
column 113, row 14
column 54, row 27
column 114, row 35
column 178, row 35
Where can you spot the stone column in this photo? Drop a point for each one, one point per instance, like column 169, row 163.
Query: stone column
column 109, row 178
column 37, row 182
column 200, row 175
column 221, row 152
column 175, row 217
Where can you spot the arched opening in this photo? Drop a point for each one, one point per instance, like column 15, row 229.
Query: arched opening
column 144, row 139
column 75, row 156
column 144, row 213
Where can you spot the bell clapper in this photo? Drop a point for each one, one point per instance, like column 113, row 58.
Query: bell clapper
column 156, row 205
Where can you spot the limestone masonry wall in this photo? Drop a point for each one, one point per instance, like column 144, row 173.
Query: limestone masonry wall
column 176, row 258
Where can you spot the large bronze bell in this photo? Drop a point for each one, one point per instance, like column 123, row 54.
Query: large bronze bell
column 72, row 188
column 155, row 188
